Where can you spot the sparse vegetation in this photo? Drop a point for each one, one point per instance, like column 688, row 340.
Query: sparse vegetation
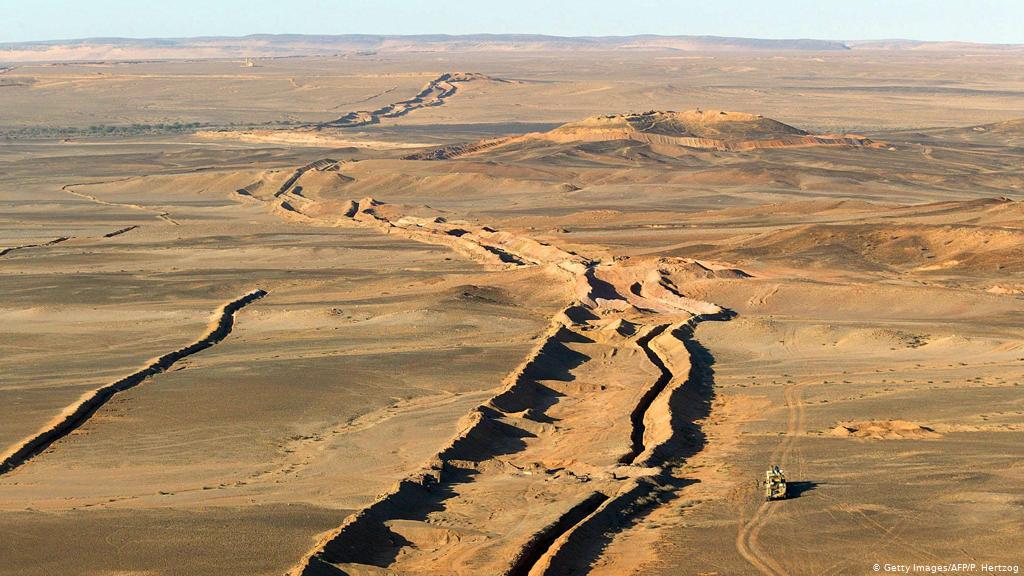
column 126, row 130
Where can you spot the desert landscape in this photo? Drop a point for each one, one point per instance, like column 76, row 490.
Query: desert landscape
column 510, row 305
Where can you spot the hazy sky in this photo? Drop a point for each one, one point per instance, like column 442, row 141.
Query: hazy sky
column 967, row 20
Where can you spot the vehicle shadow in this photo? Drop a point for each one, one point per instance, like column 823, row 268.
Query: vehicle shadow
column 797, row 489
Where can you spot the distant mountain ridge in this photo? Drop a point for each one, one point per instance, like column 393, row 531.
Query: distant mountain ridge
column 286, row 45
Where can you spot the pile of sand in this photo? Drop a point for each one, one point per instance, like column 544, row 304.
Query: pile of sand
column 884, row 430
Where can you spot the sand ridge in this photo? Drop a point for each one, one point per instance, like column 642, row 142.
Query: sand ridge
column 526, row 442
column 6, row 251
column 434, row 93
column 76, row 415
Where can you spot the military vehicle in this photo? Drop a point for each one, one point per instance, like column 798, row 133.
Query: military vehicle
column 774, row 484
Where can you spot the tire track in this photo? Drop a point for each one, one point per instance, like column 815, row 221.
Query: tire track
column 77, row 415
column 747, row 543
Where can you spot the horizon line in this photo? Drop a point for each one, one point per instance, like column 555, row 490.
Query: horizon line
column 495, row 35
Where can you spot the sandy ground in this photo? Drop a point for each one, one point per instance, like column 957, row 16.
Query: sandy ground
column 570, row 353
column 828, row 90
column 357, row 334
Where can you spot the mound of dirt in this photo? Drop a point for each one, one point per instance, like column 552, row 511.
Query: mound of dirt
column 696, row 129
column 715, row 124
column 884, row 430
column 474, row 294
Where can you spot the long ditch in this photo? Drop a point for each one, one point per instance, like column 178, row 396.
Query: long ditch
column 85, row 409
